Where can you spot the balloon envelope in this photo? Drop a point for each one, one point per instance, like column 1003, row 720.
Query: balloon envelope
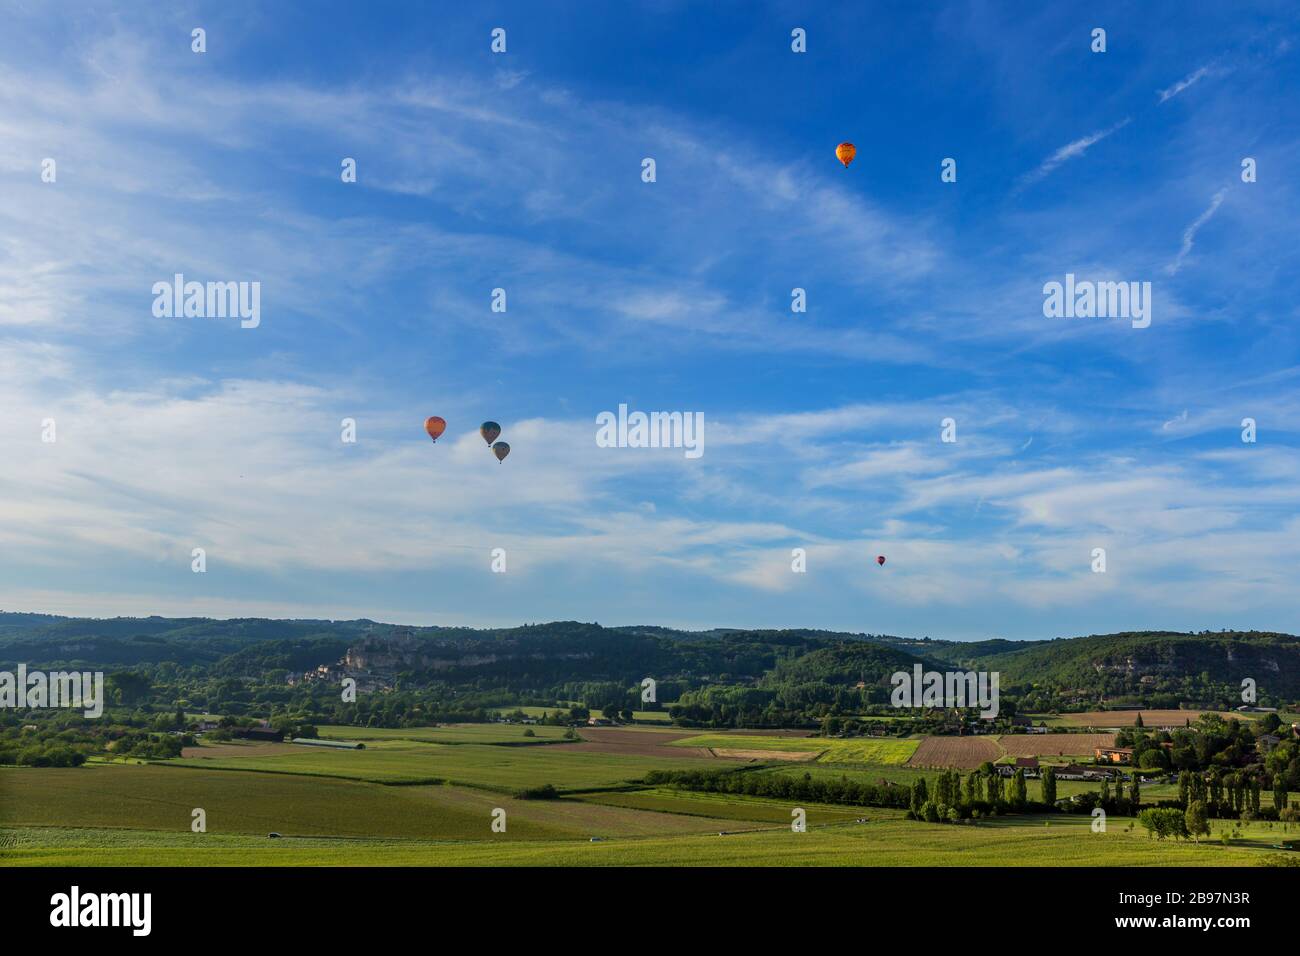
column 880, row 559
column 501, row 449
column 489, row 431
column 845, row 153
column 435, row 426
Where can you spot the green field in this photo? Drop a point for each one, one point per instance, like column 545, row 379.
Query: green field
column 725, row 806
column 426, row 796
column 886, row 751
column 448, row 734
column 485, row 765
column 906, row 775
column 755, row 742
column 878, row 842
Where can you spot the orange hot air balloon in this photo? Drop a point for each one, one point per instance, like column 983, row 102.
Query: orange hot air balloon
column 489, row 431
column 435, row 426
column 501, row 449
column 880, row 559
column 845, row 153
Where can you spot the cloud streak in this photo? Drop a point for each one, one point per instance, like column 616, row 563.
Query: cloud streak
column 1072, row 150
column 1189, row 80
column 1189, row 234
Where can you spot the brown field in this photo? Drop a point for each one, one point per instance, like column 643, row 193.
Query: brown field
column 1126, row 718
column 1054, row 745
column 630, row 742
column 964, row 753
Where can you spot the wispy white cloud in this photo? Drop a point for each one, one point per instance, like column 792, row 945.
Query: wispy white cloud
column 1187, row 81
column 1072, row 150
column 680, row 287
column 1189, row 234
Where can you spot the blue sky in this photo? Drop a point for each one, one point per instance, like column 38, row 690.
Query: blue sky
column 522, row 171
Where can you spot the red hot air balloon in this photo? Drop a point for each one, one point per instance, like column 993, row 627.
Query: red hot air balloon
column 845, row 153
column 501, row 449
column 880, row 559
column 435, row 426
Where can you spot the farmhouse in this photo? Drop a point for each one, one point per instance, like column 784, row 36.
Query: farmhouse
column 1030, row 769
column 1114, row 754
column 1076, row 772
column 1071, row 772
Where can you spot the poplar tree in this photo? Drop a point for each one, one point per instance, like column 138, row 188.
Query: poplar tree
column 1049, row 786
column 1198, row 822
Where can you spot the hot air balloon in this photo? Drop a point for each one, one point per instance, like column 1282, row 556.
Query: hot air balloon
column 435, row 426
column 880, row 559
column 489, row 431
column 845, row 153
column 501, row 449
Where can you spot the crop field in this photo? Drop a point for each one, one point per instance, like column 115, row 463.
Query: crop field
column 967, row 753
column 730, row 807
column 1053, row 745
column 382, row 806
column 1128, row 718
column 881, row 841
column 486, row 765
column 964, row 753
column 811, row 745
column 447, row 733
column 887, row 751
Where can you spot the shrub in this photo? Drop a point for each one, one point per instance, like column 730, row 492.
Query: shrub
column 546, row 791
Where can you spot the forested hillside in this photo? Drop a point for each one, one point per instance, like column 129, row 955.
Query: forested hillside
column 726, row 675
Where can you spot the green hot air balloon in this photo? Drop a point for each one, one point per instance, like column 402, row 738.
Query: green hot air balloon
column 489, row 431
column 501, row 449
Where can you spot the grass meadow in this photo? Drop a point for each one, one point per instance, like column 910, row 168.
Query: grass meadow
column 427, row 796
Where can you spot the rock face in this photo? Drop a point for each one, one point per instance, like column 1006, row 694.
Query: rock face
column 375, row 661
column 406, row 653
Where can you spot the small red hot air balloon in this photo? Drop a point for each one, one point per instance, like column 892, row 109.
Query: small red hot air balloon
column 501, row 449
column 845, row 153
column 435, row 426
column 880, row 559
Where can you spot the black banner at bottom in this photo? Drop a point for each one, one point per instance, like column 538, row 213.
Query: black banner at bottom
column 230, row 905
